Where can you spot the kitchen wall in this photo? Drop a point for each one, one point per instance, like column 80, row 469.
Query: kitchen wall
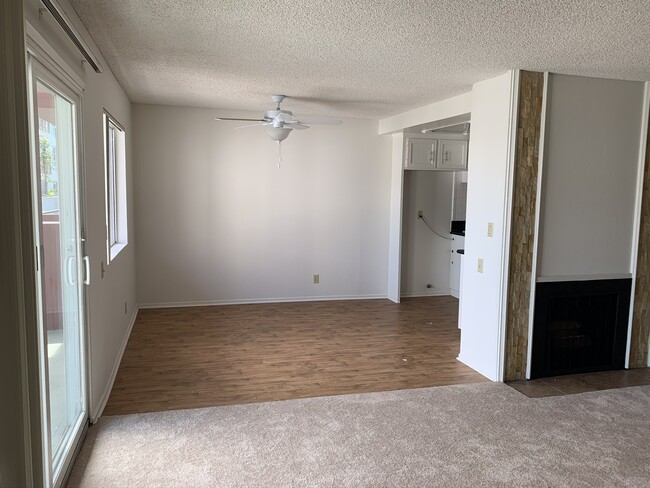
column 109, row 322
column 426, row 256
column 589, row 176
column 454, row 110
column 488, row 188
column 460, row 197
column 219, row 222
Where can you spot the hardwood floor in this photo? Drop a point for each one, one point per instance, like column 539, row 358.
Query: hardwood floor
column 221, row 355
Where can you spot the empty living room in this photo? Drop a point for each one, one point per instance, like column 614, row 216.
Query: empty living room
column 325, row 243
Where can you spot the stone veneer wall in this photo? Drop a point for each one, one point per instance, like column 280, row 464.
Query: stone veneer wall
column 531, row 87
column 641, row 311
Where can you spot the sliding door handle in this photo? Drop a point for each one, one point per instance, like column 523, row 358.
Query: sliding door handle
column 86, row 260
column 70, row 270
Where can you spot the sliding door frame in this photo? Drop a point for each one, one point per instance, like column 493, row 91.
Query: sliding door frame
column 44, row 64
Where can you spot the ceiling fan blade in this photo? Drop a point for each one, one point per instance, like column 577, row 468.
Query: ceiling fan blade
column 319, row 121
column 259, row 124
column 295, row 125
column 240, row 120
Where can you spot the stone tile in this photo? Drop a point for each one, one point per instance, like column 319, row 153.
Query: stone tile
column 641, row 374
column 641, row 315
column 534, row 388
column 582, row 383
column 569, row 385
column 631, row 377
column 606, row 380
column 531, row 88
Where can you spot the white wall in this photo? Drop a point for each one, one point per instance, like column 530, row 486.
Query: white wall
column 590, row 171
column 109, row 325
column 395, row 237
column 219, row 222
column 426, row 256
column 16, row 301
column 110, row 322
column 459, row 211
column 488, row 188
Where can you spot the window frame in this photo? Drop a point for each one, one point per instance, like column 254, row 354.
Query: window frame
column 115, row 186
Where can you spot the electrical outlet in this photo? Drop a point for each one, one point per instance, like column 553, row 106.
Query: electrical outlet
column 420, row 214
column 316, row 279
column 480, row 265
column 490, row 229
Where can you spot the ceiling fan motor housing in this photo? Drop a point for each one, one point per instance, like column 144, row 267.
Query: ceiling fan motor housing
column 276, row 117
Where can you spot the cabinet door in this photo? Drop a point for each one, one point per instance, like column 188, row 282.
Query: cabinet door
column 452, row 155
column 421, row 154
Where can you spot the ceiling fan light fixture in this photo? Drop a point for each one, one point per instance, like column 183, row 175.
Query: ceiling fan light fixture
column 277, row 133
column 279, row 123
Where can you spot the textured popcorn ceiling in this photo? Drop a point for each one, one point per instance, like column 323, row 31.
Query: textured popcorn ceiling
column 360, row 58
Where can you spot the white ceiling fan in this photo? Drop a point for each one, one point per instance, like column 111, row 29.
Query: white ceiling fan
column 279, row 123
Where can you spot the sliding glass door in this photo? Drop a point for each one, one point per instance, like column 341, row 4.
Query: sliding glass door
column 61, row 270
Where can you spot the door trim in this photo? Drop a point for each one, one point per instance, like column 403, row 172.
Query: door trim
column 40, row 49
column 43, row 71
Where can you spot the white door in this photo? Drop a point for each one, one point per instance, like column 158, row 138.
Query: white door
column 60, row 264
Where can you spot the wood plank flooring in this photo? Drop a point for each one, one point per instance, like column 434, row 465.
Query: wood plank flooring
column 221, row 355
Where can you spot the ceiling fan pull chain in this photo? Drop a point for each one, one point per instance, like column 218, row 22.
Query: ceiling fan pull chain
column 279, row 153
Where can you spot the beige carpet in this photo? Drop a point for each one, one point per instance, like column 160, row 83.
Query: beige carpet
column 471, row 435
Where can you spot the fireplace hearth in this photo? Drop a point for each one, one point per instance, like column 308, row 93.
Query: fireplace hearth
column 580, row 326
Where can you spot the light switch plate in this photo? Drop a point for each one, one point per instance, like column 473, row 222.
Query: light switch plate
column 480, row 265
column 490, row 229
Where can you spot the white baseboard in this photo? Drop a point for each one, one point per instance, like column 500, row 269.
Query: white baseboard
column 430, row 294
column 252, row 301
column 94, row 417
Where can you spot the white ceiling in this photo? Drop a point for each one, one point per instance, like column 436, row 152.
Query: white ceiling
column 357, row 58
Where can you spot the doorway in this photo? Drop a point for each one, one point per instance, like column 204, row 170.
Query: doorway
column 62, row 270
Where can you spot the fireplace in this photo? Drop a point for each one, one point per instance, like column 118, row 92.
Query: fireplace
column 580, row 326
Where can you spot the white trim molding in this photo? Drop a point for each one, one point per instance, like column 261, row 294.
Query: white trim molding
column 42, row 50
column 538, row 217
column 515, row 76
column 444, row 293
column 554, row 279
column 252, row 301
column 636, row 230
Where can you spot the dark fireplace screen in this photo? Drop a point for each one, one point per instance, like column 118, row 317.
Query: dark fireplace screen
column 580, row 326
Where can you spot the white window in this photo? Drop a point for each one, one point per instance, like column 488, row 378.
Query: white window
column 116, row 214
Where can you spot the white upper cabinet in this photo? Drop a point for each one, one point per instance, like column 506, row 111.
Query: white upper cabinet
column 421, row 153
column 435, row 154
column 452, row 155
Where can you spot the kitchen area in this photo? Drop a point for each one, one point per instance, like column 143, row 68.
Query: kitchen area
column 434, row 210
